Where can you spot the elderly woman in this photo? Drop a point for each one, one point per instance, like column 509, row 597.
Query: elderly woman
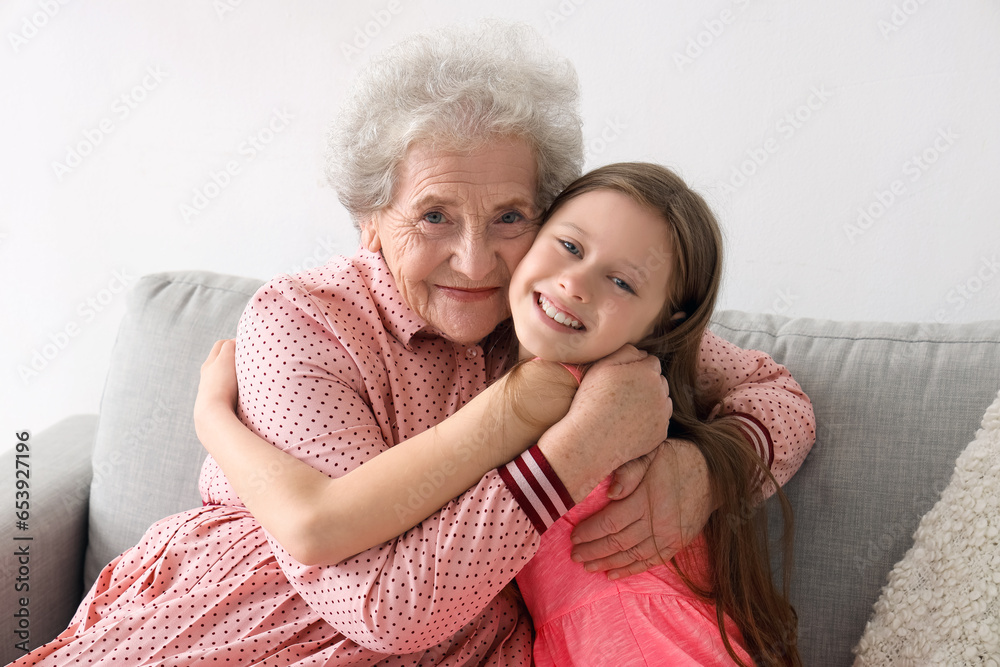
column 450, row 148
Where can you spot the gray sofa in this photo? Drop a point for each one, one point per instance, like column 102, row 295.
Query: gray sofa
column 895, row 404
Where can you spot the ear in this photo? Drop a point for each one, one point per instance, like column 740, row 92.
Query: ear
column 677, row 319
column 369, row 233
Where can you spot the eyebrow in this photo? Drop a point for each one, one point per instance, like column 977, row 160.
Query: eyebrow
column 448, row 199
column 583, row 234
column 434, row 199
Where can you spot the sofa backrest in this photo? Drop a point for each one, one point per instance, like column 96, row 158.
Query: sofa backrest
column 146, row 455
column 895, row 405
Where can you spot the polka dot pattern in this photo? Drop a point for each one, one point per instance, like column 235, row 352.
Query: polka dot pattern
column 334, row 369
column 771, row 409
column 210, row 586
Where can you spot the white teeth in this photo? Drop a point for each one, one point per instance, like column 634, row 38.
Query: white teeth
column 556, row 314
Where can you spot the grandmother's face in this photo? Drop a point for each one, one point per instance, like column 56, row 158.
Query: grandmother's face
column 458, row 225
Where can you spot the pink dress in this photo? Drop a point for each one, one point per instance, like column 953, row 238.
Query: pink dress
column 334, row 368
column 582, row 618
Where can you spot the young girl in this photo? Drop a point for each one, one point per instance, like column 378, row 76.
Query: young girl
column 627, row 256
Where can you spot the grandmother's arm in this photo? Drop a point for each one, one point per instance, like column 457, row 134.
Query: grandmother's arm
column 301, row 390
column 319, row 519
column 765, row 401
column 769, row 408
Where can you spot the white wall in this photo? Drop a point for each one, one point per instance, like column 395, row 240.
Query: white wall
column 851, row 150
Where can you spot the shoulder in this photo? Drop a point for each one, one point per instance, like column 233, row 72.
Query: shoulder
column 339, row 279
column 309, row 323
column 334, row 292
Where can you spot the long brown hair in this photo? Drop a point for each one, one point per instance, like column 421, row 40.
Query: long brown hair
column 741, row 583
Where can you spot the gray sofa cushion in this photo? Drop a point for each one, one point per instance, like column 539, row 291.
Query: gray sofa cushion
column 895, row 404
column 147, row 457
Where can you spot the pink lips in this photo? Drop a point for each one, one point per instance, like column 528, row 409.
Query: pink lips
column 468, row 295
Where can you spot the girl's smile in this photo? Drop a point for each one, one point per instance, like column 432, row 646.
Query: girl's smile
column 558, row 315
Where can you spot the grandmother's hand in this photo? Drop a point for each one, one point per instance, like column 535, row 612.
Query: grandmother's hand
column 623, row 404
column 217, row 390
column 662, row 502
column 620, row 411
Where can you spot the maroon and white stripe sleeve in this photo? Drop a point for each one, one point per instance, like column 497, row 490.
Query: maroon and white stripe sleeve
column 536, row 488
column 757, row 435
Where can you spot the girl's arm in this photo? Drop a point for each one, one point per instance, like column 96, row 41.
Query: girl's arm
column 319, row 519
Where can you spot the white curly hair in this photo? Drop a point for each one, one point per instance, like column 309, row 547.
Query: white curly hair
column 457, row 87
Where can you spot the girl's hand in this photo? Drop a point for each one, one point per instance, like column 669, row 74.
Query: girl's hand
column 529, row 400
column 217, row 390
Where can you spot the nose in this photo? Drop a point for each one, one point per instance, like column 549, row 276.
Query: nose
column 573, row 281
column 474, row 256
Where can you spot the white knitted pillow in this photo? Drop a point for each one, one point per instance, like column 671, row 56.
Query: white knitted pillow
column 941, row 605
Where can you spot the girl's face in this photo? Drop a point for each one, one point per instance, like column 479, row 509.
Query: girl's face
column 596, row 278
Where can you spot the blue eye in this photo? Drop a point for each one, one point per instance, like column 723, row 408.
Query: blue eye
column 434, row 217
column 623, row 285
column 511, row 217
column 571, row 247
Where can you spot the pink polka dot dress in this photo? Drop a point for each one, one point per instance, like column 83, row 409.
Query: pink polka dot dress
column 334, row 368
